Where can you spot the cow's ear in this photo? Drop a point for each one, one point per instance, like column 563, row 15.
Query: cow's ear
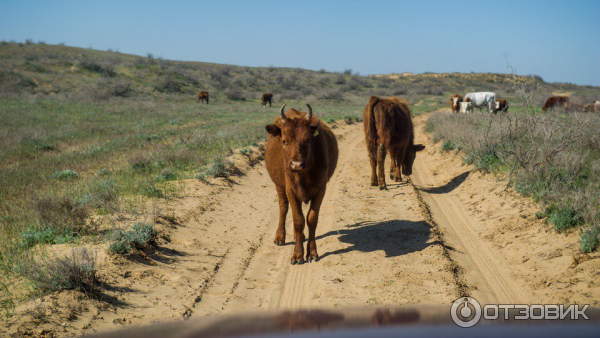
column 419, row 147
column 273, row 130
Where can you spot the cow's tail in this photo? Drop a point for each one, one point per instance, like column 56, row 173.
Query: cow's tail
column 369, row 123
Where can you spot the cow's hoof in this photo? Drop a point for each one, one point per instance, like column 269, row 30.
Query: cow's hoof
column 279, row 239
column 374, row 184
column 391, row 176
column 297, row 261
column 383, row 187
column 397, row 179
column 312, row 258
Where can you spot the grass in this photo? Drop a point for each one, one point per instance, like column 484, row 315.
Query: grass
column 552, row 158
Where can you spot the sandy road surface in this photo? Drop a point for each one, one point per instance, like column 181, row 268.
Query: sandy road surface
column 447, row 232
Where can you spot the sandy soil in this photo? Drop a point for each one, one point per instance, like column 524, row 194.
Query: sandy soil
column 447, row 232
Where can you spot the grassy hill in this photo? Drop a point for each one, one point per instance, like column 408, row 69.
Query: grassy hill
column 84, row 132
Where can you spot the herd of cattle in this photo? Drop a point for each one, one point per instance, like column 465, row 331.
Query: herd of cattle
column 302, row 153
column 480, row 100
column 488, row 100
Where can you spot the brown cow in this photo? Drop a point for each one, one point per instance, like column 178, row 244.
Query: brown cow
column 592, row 107
column 553, row 101
column 301, row 156
column 501, row 105
column 388, row 126
column 455, row 102
column 267, row 97
column 203, row 95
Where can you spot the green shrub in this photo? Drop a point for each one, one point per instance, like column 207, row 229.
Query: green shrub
column 33, row 236
column 448, row 145
column 590, row 239
column 564, row 218
column 139, row 237
column 66, row 174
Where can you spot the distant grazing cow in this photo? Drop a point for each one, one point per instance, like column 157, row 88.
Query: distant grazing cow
column 501, row 105
column 554, row 101
column 478, row 100
column 589, row 108
column 203, row 95
column 388, row 127
column 592, row 107
column 301, row 156
column 267, row 97
column 455, row 102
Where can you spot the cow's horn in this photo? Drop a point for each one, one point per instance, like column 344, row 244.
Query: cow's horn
column 281, row 111
column 309, row 115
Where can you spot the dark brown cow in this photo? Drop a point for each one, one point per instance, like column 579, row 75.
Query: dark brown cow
column 501, row 105
column 267, row 97
column 203, row 95
column 455, row 102
column 554, row 101
column 301, row 156
column 388, row 127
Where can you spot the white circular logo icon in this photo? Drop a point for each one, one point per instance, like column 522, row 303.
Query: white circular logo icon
column 465, row 312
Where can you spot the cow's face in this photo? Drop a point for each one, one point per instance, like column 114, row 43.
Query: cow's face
column 464, row 106
column 409, row 158
column 455, row 102
column 297, row 139
column 497, row 104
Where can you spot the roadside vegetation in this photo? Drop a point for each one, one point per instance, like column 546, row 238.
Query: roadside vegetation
column 86, row 134
column 553, row 157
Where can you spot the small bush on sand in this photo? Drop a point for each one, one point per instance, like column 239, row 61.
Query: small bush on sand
column 139, row 237
column 74, row 271
column 590, row 239
column 219, row 168
column 564, row 218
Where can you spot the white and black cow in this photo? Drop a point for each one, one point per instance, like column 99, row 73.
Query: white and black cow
column 478, row 100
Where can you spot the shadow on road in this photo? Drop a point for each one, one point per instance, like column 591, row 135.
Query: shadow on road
column 448, row 187
column 395, row 237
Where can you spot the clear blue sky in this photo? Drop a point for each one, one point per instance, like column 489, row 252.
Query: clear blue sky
column 559, row 40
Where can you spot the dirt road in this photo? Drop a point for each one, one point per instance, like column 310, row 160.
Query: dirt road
column 447, row 232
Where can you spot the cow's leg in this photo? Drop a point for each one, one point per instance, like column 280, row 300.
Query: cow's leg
column 373, row 159
column 399, row 159
column 393, row 163
column 381, row 166
column 269, row 104
column 283, row 210
column 298, row 217
column 312, row 218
